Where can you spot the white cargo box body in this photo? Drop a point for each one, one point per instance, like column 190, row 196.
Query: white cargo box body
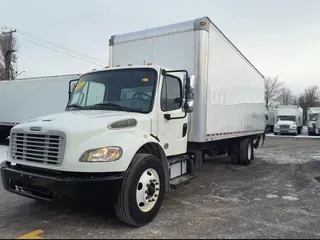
column 229, row 90
column 291, row 111
column 271, row 113
column 24, row 99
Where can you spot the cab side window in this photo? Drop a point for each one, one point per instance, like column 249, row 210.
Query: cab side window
column 171, row 94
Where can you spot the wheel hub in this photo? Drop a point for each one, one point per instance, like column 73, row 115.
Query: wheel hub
column 148, row 189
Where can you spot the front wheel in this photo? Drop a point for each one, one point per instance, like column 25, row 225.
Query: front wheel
column 142, row 191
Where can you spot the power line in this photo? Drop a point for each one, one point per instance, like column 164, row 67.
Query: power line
column 57, row 45
column 59, row 51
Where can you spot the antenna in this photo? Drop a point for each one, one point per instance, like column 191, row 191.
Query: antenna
column 145, row 49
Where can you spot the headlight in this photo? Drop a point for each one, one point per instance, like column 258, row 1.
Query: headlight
column 105, row 154
column 276, row 126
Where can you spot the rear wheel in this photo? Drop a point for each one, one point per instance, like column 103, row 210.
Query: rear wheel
column 234, row 154
column 246, row 151
column 142, row 191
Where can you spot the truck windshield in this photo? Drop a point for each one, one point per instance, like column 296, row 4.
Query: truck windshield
column 313, row 117
column 286, row 118
column 121, row 90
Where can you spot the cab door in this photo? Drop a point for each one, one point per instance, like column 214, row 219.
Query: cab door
column 172, row 119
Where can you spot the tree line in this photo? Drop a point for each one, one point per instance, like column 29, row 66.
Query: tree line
column 277, row 93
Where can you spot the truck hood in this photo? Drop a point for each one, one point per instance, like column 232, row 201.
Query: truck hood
column 82, row 121
column 285, row 122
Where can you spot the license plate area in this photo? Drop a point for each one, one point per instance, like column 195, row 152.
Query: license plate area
column 30, row 190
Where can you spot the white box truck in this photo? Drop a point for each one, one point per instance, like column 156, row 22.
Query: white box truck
column 313, row 119
column 289, row 120
column 23, row 99
column 170, row 95
column 270, row 119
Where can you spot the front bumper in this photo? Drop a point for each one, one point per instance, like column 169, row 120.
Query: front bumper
column 43, row 184
column 285, row 130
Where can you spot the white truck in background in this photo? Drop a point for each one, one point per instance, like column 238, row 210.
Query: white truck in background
column 313, row 119
column 170, row 95
column 289, row 120
column 24, row 99
column 270, row 119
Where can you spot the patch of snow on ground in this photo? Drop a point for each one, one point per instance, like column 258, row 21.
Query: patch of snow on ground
column 291, row 136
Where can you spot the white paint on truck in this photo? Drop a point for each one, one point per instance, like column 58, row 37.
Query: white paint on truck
column 289, row 120
column 313, row 120
column 270, row 119
column 142, row 125
column 23, row 99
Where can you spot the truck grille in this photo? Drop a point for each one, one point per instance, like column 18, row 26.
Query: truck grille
column 284, row 126
column 38, row 148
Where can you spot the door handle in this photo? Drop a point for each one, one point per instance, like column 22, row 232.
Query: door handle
column 167, row 116
column 184, row 129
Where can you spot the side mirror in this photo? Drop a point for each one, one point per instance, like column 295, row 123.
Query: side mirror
column 189, row 106
column 72, row 85
column 189, row 87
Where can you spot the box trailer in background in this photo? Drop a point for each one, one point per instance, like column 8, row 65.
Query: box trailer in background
column 313, row 119
column 289, row 120
column 171, row 95
column 270, row 119
column 24, row 99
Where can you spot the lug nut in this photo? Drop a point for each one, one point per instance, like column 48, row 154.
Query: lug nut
column 155, row 195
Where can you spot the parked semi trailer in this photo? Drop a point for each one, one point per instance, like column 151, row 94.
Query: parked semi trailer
column 142, row 125
column 23, row 99
column 313, row 119
column 289, row 120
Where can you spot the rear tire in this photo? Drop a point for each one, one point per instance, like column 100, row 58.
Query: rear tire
column 143, row 182
column 246, row 151
column 234, row 154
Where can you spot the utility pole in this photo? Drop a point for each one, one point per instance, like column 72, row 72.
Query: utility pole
column 7, row 54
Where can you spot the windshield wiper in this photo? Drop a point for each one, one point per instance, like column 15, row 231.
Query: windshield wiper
column 75, row 106
column 117, row 106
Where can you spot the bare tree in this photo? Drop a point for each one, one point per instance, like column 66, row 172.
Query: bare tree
column 272, row 90
column 285, row 96
column 8, row 57
column 309, row 98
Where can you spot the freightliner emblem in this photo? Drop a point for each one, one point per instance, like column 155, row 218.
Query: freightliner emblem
column 35, row 129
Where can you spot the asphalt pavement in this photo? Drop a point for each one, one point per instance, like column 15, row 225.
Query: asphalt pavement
column 278, row 196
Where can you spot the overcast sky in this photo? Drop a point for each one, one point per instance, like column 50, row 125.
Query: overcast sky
column 280, row 37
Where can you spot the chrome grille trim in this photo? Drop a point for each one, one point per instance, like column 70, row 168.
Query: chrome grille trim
column 37, row 147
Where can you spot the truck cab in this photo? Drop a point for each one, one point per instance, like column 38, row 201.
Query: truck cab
column 313, row 118
column 289, row 120
column 121, row 125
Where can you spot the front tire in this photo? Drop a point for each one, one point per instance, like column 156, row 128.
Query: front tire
column 142, row 191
